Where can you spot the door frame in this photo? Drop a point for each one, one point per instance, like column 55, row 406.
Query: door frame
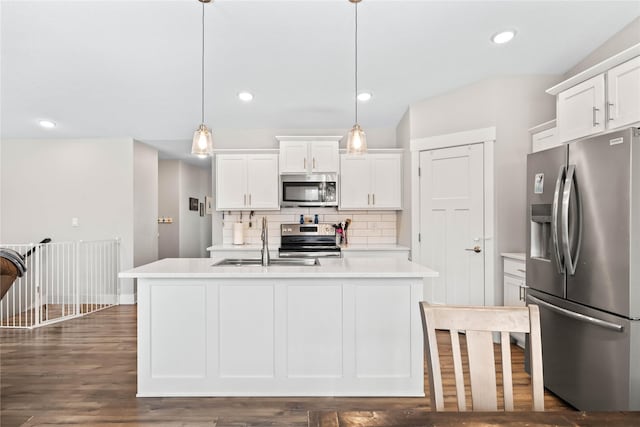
column 486, row 137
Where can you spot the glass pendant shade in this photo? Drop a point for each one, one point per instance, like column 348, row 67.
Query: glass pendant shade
column 356, row 140
column 202, row 142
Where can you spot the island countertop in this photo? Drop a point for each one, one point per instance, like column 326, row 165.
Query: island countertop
column 357, row 267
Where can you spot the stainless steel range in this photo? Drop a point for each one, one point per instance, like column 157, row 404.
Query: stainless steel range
column 308, row 240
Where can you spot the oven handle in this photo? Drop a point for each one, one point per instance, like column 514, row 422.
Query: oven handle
column 577, row 316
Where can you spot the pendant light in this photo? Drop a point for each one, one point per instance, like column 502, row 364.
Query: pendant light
column 356, row 138
column 202, row 140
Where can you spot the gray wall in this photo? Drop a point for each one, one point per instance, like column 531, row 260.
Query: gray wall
column 45, row 183
column 169, row 207
column 625, row 38
column 190, row 234
column 403, row 137
column 145, row 204
column 512, row 105
column 266, row 138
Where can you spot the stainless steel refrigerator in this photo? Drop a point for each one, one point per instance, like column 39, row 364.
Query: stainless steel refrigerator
column 583, row 268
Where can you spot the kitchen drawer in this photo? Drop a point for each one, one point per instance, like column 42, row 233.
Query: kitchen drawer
column 514, row 267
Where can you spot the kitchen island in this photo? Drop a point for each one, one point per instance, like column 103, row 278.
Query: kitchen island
column 348, row 327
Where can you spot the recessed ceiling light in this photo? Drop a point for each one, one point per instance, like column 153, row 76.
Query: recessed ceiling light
column 245, row 96
column 47, row 124
column 364, row 96
column 503, row 36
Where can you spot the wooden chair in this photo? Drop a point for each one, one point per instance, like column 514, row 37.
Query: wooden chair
column 479, row 323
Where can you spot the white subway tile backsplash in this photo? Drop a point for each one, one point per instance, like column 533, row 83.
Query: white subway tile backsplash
column 367, row 227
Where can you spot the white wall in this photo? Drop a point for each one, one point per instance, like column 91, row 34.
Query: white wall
column 512, row 105
column 145, row 204
column 46, row 183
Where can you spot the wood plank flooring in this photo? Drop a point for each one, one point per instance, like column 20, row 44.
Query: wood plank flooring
column 83, row 372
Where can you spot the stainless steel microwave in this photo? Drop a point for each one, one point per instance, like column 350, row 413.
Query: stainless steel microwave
column 309, row 190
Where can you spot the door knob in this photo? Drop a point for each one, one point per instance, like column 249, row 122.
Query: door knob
column 475, row 249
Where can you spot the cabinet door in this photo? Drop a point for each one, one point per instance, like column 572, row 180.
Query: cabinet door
column 623, row 88
column 581, row 109
column 386, row 181
column 355, row 177
column 544, row 140
column 262, row 181
column 293, row 157
column 513, row 292
column 231, row 182
column 324, row 156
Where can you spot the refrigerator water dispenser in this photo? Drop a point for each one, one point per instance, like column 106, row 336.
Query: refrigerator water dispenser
column 541, row 231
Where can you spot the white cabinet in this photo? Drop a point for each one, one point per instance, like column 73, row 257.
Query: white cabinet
column 371, row 181
column 623, row 89
column 581, row 109
column 247, row 182
column 309, row 157
column 606, row 101
column 544, row 136
column 515, row 285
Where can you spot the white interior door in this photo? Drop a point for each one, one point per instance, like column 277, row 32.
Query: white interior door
column 452, row 222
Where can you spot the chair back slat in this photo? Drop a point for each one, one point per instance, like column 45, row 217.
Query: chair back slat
column 507, row 380
column 479, row 324
column 457, row 369
column 483, row 380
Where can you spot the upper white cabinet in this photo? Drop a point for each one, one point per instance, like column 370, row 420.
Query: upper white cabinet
column 581, row 110
column 623, row 87
column 371, row 181
column 246, row 182
column 544, row 136
column 309, row 156
column 602, row 98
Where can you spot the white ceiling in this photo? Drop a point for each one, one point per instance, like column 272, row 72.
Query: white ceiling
column 132, row 68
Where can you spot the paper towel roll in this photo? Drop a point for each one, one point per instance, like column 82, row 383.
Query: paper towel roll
column 238, row 233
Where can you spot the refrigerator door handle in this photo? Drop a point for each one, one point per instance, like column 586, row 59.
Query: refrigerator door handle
column 554, row 220
column 576, row 316
column 570, row 183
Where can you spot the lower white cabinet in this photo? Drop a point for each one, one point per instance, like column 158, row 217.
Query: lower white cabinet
column 515, row 285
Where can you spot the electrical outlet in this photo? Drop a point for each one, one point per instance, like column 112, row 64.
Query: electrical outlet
column 75, row 222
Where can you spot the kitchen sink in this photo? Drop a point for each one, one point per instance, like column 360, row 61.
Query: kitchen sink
column 256, row 261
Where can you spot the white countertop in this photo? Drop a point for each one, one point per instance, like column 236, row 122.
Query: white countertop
column 249, row 247
column 515, row 255
column 355, row 267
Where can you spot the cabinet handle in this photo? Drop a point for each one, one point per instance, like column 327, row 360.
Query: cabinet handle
column 305, row 163
column 521, row 270
column 245, row 200
column 521, row 293
column 595, row 122
column 368, row 199
column 249, row 199
column 373, row 197
column 610, row 115
column 314, row 163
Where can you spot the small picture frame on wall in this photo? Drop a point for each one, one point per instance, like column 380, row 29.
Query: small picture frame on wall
column 208, row 205
column 201, row 209
column 193, row 204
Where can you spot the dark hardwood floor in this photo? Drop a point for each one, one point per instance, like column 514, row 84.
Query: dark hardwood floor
column 83, row 372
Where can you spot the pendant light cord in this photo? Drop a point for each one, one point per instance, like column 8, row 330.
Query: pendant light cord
column 202, row 63
column 356, row 61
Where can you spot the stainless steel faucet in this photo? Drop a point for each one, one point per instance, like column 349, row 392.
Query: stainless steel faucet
column 266, row 260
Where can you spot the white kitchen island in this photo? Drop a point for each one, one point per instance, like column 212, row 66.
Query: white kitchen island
column 349, row 327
